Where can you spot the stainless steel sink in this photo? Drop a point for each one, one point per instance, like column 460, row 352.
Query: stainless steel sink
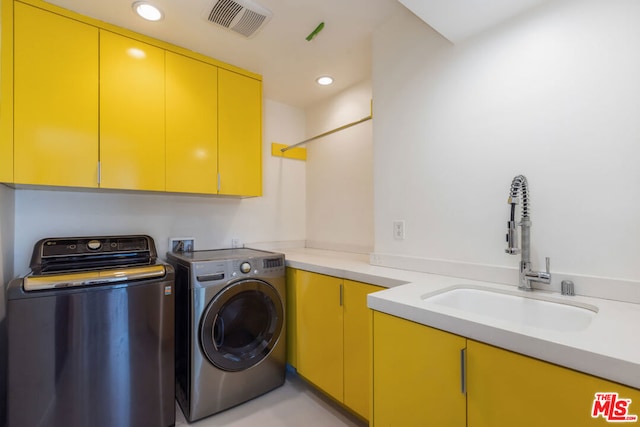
column 537, row 310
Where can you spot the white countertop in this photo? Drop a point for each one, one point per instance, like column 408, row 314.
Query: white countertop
column 609, row 347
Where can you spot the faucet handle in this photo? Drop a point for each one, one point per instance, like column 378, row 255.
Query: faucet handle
column 546, row 262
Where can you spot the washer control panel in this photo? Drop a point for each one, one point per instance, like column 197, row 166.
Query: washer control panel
column 258, row 265
column 215, row 266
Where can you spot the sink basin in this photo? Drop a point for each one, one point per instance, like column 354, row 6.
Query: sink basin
column 530, row 309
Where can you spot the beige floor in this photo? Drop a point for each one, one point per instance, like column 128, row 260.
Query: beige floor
column 295, row 404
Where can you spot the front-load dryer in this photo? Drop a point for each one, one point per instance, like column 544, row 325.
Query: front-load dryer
column 230, row 327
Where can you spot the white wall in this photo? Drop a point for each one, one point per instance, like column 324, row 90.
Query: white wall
column 278, row 216
column 7, row 202
column 553, row 95
column 340, row 173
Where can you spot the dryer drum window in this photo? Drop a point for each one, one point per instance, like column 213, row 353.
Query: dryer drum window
column 241, row 325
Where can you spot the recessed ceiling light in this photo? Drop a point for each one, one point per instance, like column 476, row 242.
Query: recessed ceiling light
column 147, row 11
column 324, row 80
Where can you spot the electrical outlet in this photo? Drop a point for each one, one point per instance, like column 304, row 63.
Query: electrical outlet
column 182, row 244
column 235, row 242
column 398, row 230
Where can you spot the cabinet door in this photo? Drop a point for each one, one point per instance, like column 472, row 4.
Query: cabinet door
column 357, row 345
column 292, row 317
column 507, row 389
column 55, row 99
column 417, row 375
column 192, row 126
column 132, row 108
column 320, row 336
column 239, row 134
column 6, row 92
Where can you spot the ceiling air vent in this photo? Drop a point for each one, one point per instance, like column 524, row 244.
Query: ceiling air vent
column 242, row 16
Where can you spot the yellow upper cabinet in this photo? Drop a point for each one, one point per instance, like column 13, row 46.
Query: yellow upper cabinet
column 132, row 114
column 87, row 104
column 6, row 92
column 239, row 134
column 56, row 99
column 192, row 127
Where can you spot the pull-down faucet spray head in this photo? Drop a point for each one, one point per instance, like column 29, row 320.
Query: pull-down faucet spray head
column 519, row 187
column 512, row 231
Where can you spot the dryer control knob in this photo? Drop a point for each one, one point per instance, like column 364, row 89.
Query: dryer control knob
column 245, row 267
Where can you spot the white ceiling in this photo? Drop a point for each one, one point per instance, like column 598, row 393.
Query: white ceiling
column 288, row 63
column 279, row 52
column 458, row 20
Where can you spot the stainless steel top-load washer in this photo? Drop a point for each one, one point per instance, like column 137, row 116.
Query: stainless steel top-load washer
column 91, row 335
column 230, row 327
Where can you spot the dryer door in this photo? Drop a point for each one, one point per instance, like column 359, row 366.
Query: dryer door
column 241, row 325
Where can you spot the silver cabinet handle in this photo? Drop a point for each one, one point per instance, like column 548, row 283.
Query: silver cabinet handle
column 463, row 371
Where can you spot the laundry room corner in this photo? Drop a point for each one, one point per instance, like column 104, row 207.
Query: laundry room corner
column 339, row 188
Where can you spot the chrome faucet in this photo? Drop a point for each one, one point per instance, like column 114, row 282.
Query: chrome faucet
column 519, row 187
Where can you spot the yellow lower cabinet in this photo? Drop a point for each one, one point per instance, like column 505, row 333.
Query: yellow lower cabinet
column 330, row 338
column 417, row 375
column 291, row 317
column 357, row 345
column 509, row 389
column 320, row 335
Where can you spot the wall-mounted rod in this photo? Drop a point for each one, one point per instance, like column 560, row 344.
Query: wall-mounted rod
column 369, row 117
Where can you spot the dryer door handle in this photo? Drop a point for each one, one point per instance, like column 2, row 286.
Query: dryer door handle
column 218, row 333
